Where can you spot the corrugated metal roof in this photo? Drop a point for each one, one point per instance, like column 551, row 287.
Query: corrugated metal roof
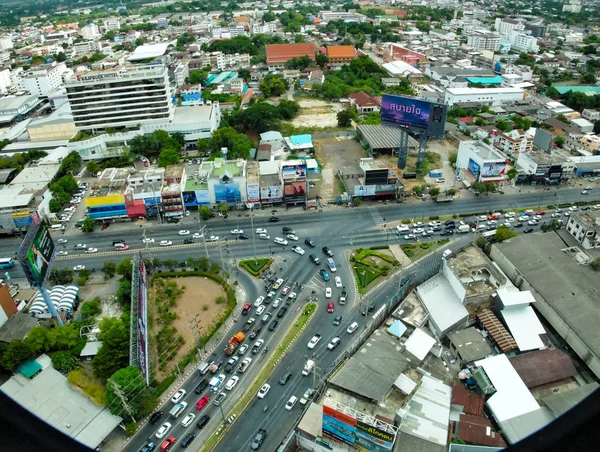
column 471, row 402
column 478, row 430
column 501, row 337
column 543, row 366
column 419, row 343
column 577, row 89
column 384, row 137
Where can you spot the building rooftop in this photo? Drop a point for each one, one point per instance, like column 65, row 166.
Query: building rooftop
column 444, row 306
column 14, row 197
column 478, row 430
column 384, row 137
column 148, row 51
column 173, row 172
column 17, row 327
column 524, row 326
column 284, row 52
column 470, row 344
column 471, row 402
column 541, row 367
column 500, row 335
column 483, row 91
column 232, row 168
column 588, row 219
column 562, row 402
column 485, row 151
column 475, row 271
column 341, row 51
column 35, row 178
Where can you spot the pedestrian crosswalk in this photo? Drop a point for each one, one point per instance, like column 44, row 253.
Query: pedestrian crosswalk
column 377, row 218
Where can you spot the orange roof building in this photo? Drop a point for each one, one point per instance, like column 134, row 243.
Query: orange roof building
column 279, row 54
column 340, row 55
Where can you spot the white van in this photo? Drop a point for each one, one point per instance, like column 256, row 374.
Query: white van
column 352, row 328
column 308, row 367
column 402, row 229
column 203, row 367
column 58, row 227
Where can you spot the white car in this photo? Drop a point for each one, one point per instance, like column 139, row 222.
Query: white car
column 434, row 223
column 62, row 240
column 259, row 301
column 537, row 217
column 237, row 231
column 509, row 214
column 197, row 235
column 278, row 283
column 187, row 421
column 482, row 218
column 314, row 341
column 291, row 403
column 261, row 231
column 264, row 236
column 523, row 218
column 328, row 292
column 292, row 237
column 243, row 349
column 567, row 214
column 62, row 253
column 213, row 238
column 532, row 222
column 409, row 237
column 263, row 391
column 91, row 250
column 352, row 328
column 418, row 224
column 597, row 207
column 165, row 243
column 78, row 268
column 418, row 230
column 509, row 219
column 298, row 250
column 147, row 240
column 162, row 431
column 573, row 208
column 338, row 281
column 260, row 309
column 585, row 192
column 334, row 343
column 587, row 187
column 180, row 394
column 184, row 232
column 80, row 246
column 280, row 241
column 231, row 383
column 276, row 303
column 555, row 215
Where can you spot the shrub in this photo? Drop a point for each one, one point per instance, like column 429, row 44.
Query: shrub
column 164, row 385
column 205, row 307
column 130, row 429
column 434, row 217
column 424, row 245
column 220, row 300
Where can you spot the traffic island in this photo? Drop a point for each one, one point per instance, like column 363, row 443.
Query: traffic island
column 302, row 319
column 415, row 251
column 256, row 266
column 371, row 264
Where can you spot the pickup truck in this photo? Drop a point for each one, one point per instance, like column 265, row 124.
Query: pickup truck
column 343, row 296
column 248, row 324
column 245, row 363
column 216, row 382
column 308, row 395
column 258, row 439
column 231, row 364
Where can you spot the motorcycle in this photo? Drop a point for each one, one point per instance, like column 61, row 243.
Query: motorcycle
column 266, row 408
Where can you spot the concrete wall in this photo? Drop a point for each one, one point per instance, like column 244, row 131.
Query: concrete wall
column 454, row 281
column 558, row 323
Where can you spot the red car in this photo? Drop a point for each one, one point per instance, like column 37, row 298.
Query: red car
column 167, row 444
column 246, row 309
column 330, row 307
column 285, row 290
column 202, row 402
column 541, row 212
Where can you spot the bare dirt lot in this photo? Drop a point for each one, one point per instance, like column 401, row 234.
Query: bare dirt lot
column 316, row 113
column 198, row 297
column 334, row 154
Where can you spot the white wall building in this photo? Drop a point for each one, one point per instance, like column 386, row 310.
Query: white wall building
column 484, row 40
column 43, row 80
column 585, row 227
column 6, row 42
column 514, row 141
column 591, row 115
column 481, row 162
column 112, row 23
column 90, row 31
column 483, row 96
column 523, row 42
column 181, row 72
column 507, row 26
column 86, row 47
column 4, row 80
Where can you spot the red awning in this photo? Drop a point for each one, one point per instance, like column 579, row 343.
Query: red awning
column 136, row 209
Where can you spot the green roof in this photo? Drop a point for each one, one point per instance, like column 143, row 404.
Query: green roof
column 192, row 184
column 230, row 168
column 587, row 89
column 29, row 368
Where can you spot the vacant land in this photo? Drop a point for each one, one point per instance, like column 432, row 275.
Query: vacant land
column 316, row 113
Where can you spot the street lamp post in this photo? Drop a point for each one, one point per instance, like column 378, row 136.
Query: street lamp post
column 252, row 231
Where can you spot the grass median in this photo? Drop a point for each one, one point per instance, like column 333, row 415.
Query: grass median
column 301, row 320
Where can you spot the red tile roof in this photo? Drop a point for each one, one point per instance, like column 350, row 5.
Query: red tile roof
column 362, row 99
column 543, row 366
column 343, row 52
column 281, row 53
column 501, row 337
column 471, row 402
column 478, row 430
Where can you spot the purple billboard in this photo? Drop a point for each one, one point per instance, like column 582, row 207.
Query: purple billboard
column 405, row 111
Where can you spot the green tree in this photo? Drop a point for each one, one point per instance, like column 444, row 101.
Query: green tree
column 356, row 202
column 511, row 173
column 114, row 353
column 503, row 233
column 197, row 77
column 91, row 308
column 17, row 352
column 140, row 398
column 552, row 93
column 480, row 122
column 125, row 268
column 204, row 212
column 244, row 74
column 88, row 225
column 237, row 144
column 40, row 340
column 596, row 264
column 597, row 127
column 169, row 156
column 559, row 141
column 503, row 125
column 170, row 264
column 273, row 85
column 61, row 275
column 64, row 362
column 269, row 17
column 123, row 293
column 452, row 158
column 109, row 269
column 345, row 117
column 322, row 60
column 71, row 163
column 223, row 208
column 288, row 109
column 259, row 117
column 92, row 167
column 434, row 192
column 54, row 206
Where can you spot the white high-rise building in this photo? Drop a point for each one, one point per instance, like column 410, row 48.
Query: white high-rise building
column 6, row 42
column 43, row 80
column 507, row 26
column 123, row 96
column 484, row 40
column 524, row 43
column 4, row 80
column 90, row 31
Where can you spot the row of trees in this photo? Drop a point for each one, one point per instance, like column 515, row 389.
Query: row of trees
column 159, row 142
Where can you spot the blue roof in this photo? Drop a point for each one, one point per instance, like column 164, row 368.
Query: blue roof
column 485, row 80
column 301, row 139
column 588, row 89
column 397, row 328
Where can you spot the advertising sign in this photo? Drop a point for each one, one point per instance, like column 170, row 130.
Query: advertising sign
column 364, row 190
column 196, row 198
column 474, row 167
column 405, row 111
column 295, row 189
column 493, row 169
column 253, row 191
column 374, row 436
column 143, row 323
column 229, row 193
column 40, row 254
column 21, row 219
column 293, row 171
column 271, row 193
column 339, row 425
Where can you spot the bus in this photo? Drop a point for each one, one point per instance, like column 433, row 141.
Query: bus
column 489, row 234
column 7, row 262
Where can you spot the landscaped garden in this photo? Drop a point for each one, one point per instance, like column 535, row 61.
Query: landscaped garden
column 416, row 251
column 371, row 264
column 256, row 266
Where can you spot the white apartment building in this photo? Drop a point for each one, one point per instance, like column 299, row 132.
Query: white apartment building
column 328, row 16
column 112, row 23
column 86, row 47
column 6, row 42
column 524, row 43
column 591, row 115
column 484, row 40
column 585, row 228
column 507, row 26
column 122, row 96
column 574, row 6
column 181, row 72
column 514, row 141
column 483, row 96
column 43, row 80
column 4, row 80
column 90, row 31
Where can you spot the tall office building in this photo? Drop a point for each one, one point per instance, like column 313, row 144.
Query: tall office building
column 122, row 96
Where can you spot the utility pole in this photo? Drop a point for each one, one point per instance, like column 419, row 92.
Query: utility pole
column 253, row 234
column 121, row 396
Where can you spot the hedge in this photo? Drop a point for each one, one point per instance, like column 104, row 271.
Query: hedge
column 363, row 253
column 255, row 270
column 164, row 385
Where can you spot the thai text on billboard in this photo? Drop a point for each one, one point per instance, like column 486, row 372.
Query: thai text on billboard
column 40, row 254
column 405, row 111
column 339, row 425
column 253, row 191
column 271, row 192
column 375, row 438
column 21, row 219
column 293, row 171
column 493, row 169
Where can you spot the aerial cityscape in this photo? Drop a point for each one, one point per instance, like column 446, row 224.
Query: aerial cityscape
column 299, row 225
